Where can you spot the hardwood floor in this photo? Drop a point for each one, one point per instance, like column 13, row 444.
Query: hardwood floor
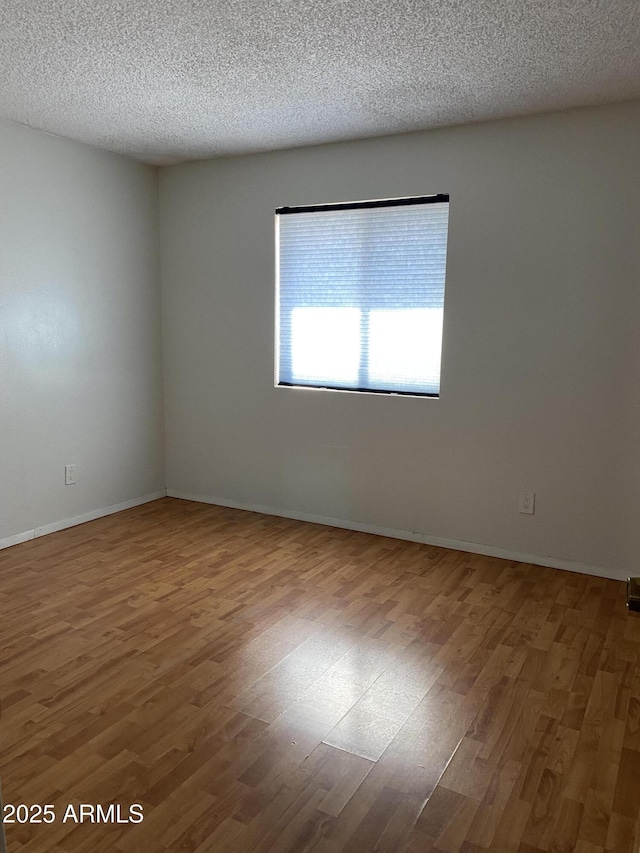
column 262, row 685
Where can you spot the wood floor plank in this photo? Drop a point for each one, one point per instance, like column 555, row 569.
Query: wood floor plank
column 269, row 686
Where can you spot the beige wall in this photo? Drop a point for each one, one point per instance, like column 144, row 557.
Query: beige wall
column 540, row 379
column 80, row 346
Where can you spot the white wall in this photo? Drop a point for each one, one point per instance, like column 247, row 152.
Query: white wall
column 80, row 342
column 540, row 379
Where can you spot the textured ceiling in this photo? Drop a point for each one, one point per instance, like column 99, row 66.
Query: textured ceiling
column 169, row 80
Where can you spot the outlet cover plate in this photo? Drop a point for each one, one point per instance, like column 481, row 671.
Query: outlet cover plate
column 526, row 503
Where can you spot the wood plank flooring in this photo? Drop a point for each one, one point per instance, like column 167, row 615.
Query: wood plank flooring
column 261, row 685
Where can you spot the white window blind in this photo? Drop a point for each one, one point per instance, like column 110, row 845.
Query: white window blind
column 360, row 295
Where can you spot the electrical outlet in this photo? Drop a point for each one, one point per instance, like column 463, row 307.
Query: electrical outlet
column 70, row 475
column 526, row 502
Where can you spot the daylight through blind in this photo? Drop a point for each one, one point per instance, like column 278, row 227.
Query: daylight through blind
column 361, row 295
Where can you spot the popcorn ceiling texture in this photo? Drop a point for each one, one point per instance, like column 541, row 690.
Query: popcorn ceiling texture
column 172, row 80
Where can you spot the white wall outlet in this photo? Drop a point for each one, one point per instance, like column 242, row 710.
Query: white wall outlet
column 70, row 475
column 527, row 502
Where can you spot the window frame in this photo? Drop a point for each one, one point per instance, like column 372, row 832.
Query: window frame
column 436, row 198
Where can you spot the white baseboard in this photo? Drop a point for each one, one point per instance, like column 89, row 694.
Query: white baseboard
column 17, row 538
column 412, row 536
column 55, row 526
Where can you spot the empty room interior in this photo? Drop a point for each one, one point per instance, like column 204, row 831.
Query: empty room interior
column 320, row 426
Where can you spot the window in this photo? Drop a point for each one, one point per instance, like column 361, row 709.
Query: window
column 360, row 295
